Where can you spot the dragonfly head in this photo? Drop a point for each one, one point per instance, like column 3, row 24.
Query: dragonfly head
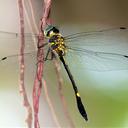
column 50, row 31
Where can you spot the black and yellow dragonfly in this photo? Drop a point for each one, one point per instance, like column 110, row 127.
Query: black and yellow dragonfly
column 75, row 47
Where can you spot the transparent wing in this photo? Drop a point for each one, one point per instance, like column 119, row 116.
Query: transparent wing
column 10, row 43
column 10, row 46
column 9, row 36
column 93, row 60
column 77, row 52
column 9, row 69
column 11, row 63
column 112, row 36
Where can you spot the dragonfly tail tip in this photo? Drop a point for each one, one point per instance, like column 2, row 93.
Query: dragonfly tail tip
column 86, row 118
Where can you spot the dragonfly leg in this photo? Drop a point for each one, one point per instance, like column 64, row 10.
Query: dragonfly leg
column 51, row 57
column 46, row 57
column 42, row 45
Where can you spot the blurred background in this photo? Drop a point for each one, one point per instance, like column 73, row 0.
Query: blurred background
column 104, row 94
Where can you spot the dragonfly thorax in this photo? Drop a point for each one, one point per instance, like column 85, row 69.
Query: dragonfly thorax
column 56, row 40
column 57, row 44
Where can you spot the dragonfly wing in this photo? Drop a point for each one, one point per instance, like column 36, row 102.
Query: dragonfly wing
column 10, row 64
column 11, row 41
column 112, row 36
column 13, row 61
column 16, row 36
column 97, row 61
column 10, row 45
column 10, row 35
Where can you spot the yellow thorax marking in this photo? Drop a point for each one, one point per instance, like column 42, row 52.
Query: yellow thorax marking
column 52, row 43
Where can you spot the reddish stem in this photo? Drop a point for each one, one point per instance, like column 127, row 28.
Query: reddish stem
column 40, row 55
column 22, row 66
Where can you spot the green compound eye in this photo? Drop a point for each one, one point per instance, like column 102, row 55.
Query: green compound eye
column 47, row 30
column 50, row 29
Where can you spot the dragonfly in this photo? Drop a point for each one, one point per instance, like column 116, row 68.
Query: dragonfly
column 73, row 47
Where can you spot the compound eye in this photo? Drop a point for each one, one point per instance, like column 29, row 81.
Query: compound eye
column 48, row 34
column 55, row 30
column 51, row 33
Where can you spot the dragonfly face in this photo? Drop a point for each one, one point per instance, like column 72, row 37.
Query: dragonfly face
column 56, row 40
